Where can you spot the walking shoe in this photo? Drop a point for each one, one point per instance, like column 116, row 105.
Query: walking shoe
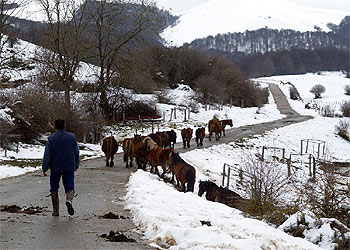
column 55, row 203
column 69, row 198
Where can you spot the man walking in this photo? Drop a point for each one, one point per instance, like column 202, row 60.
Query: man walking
column 62, row 157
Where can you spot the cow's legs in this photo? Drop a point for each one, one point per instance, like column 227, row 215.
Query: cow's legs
column 112, row 163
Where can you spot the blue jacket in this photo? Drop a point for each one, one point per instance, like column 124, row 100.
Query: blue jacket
column 61, row 152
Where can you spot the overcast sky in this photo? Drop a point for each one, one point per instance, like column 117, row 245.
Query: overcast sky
column 328, row 4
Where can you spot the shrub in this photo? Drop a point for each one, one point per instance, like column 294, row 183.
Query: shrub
column 327, row 195
column 345, row 109
column 293, row 93
column 347, row 89
column 260, row 96
column 211, row 89
column 32, row 110
column 343, row 129
column 15, row 62
column 265, row 184
column 317, row 90
column 163, row 97
column 141, row 108
column 193, row 105
column 328, row 111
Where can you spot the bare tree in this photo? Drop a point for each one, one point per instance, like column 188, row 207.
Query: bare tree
column 116, row 29
column 64, row 43
column 265, row 184
column 9, row 11
column 347, row 89
column 328, row 195
column 317, row 90
column 211, row 89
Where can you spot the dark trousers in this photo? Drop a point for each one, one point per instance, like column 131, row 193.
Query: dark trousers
column 67, row 178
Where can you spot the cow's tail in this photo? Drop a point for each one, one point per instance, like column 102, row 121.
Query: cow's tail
column 125, row 149
column 125, row 157
column 190, row 180
column 109, row 147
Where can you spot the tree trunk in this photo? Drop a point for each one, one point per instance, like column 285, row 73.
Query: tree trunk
column 104, row 104
column 67, row 101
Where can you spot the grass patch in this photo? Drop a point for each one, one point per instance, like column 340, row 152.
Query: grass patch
column 22, row 163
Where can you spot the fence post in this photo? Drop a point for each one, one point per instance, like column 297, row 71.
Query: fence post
column 324, row 145
column 314, row 169
column 307, row 145
column 152, row 127
column 310, row 174
column 301, row 146
column 223, row 175
column 283, row 155
column 288, row 166
column 263, row 151
column 175, row 113
column 318, row 151
column 228, row 177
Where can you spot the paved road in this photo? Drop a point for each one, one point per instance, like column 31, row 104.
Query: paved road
column 246, row 131
column 100, row 190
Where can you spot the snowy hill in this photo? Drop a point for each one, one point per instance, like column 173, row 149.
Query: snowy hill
column 223, row 16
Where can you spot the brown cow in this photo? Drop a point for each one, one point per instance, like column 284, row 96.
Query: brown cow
column 128, row 148
column 220, row 194
column 109, row 147
column 141, row 155
column 158, row 156
column 165, row 139
column 156, row 138
column 225, row 123
column 184, row 172
column 215, row 126
column 172, row 138
column 186, row 135
column 200, row 134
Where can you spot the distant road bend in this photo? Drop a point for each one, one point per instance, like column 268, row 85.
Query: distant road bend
column 100, row 191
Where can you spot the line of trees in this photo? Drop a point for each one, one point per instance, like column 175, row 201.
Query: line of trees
column 295, row 61
column 266, row 39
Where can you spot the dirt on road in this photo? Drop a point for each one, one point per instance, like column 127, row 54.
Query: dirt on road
column 100, row 191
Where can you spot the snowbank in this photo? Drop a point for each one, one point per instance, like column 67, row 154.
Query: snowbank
column 172, row 220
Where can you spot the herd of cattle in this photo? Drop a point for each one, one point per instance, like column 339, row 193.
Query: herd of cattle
column 157, row 149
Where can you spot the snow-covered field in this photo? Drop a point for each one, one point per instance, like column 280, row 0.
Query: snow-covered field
column 172, row 220
column 26, row 53
column 334, row 96
column 242, row 15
